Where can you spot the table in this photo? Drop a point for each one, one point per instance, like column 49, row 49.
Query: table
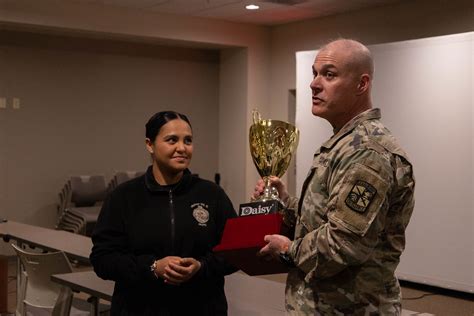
column 89, row 283
column 76, row 247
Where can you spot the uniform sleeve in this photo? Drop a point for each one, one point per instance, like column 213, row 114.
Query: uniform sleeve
column 212, row 265
column 110, row 257
column 358, row 203
column 290, row 211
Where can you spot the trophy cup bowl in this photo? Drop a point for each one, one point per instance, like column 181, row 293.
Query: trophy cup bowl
column 272, row 145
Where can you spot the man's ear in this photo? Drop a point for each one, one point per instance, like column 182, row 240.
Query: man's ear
column 364, row 84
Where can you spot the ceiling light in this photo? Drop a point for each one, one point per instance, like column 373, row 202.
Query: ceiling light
column 252, row 7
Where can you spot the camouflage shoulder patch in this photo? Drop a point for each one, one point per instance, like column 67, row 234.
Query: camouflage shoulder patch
column 359, row 198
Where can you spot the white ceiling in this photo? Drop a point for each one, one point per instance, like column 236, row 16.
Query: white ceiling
column 271, row 12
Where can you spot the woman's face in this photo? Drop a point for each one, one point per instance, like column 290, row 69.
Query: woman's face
column 173, row 147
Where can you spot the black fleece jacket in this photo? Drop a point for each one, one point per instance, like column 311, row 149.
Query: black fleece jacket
column 142, row 221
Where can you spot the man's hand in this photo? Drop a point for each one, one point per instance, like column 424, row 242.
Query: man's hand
column 275, row 182
column 276, row 244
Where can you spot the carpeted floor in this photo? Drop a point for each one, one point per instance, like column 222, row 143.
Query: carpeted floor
column 437, row 301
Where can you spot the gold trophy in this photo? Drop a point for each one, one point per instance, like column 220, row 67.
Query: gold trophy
column 272, row 145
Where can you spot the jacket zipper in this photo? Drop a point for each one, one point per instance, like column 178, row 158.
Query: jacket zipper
column 172, row 220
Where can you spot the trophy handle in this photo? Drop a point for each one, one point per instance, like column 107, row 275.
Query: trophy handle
column 256, row 116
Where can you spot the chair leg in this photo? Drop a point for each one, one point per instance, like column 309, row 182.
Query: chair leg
column 63, row 303
column 20, row 293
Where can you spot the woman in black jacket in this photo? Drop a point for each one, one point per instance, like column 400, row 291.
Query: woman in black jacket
column 155, row 234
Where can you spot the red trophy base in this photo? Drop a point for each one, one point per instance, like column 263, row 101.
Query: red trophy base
column 243, row 238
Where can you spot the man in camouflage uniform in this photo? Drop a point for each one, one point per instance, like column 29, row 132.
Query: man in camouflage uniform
column 356, row 200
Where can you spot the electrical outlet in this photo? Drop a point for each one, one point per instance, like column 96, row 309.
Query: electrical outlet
column 3, row 103
column 16, row 103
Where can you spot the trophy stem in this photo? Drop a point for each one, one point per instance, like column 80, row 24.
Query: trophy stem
column 270, row 193
column 267, row 181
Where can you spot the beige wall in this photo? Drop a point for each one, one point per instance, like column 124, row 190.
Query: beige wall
column 92, row 21
column 233, row 96
column 257, row 69
column 84, row 113
column 397, row 22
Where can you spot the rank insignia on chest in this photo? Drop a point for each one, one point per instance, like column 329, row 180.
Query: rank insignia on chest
column 360, row 196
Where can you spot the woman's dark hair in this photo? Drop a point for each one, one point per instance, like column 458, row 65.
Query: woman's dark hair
column 154, row 124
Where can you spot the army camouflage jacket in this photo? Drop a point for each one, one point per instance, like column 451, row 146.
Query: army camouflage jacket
column 350, row 224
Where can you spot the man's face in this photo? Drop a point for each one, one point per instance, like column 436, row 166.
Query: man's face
column 334, row 86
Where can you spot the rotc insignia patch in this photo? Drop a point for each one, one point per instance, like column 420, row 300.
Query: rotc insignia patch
column 360, row 196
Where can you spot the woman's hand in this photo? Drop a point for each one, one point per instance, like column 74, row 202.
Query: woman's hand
column 176, row 270
column 181, row 271
column 162, row 264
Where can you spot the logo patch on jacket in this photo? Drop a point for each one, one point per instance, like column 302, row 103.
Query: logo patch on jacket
column 200, row 213
column 360, row 196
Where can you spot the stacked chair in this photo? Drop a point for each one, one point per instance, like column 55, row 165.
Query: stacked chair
column 66, row 222
column 121, row 177
column 80, row 202
column 81, row 198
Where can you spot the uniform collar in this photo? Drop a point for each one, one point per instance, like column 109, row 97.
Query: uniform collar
column 369, row 114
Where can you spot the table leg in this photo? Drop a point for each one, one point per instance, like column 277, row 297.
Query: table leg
column 3, row 284
column 94, row 301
